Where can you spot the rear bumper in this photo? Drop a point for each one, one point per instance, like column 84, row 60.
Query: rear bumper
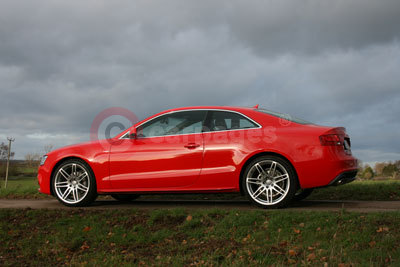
column 344, row 178
column 329, row 169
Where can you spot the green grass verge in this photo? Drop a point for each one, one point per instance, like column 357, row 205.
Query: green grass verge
column 19, row 170
column 24, row 187
column 359, row 190
column 387, row 190
column 199, row 237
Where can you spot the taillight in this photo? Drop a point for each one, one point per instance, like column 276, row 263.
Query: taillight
column 330, row 140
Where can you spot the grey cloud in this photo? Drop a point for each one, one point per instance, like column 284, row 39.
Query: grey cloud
column 314, row 26
column 336, row 63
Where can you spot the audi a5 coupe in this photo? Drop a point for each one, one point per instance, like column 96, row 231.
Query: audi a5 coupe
column 270, row 157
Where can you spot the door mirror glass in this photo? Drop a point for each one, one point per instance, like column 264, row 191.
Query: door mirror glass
column 132, row 133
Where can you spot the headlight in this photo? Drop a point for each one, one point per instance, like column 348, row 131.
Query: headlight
column 43, row 159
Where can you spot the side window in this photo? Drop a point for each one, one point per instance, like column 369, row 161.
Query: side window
column 184, row 122
column 224, row 120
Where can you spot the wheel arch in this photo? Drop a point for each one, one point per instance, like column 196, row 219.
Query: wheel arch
column 62, row 160
column 260, row 154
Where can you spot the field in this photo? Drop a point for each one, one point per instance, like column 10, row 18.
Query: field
column 26, row 187
column 81, row 237
column 23, row 187
column 198, row 237
column 23, row 184
column 361, row 190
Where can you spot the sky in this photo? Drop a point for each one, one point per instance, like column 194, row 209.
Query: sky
column 330, row 62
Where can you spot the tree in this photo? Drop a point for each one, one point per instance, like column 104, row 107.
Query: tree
column 397, row 163
column 3, row 159
column 390, row 170
column 4, row 152
column 368, row 172
column 48, row 148
column 379, row 168
column 32, row 159
column 361, row 167
column 396, row 174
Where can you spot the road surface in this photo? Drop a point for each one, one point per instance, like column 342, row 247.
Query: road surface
column 309, row 205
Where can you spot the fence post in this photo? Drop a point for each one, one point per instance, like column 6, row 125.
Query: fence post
column 10, row 139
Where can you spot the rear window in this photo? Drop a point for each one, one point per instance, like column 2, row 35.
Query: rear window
column 226, row 120
column 284, row 116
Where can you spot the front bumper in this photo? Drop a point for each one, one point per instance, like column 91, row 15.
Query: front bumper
column 43, row 177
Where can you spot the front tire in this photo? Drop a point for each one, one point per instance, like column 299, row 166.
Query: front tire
column 74, row 184
column 269, row 182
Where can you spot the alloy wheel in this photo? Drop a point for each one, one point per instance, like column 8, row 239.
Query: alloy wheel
column 72, row 183
column 268, row 182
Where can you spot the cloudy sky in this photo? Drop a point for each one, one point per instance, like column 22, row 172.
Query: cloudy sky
column 331, row 62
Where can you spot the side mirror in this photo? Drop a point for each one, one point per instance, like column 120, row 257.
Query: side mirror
column 132, row 133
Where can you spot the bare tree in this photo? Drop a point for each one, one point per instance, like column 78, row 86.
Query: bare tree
column 379, row 168
column 32, row 159
column 48, row 148
column 397, row 163
column 4, row 152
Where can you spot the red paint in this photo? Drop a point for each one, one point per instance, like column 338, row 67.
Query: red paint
column 207, row 161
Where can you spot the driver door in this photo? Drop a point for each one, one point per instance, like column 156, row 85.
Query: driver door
column 167, row 153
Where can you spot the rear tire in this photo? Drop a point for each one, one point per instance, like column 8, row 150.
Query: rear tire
column 269, row 182
column 302, row 194
column 125, row 197
column 74, row 184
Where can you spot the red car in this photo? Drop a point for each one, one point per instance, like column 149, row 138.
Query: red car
column 270, row 157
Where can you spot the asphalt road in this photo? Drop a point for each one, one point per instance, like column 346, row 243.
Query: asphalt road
column 309, row 205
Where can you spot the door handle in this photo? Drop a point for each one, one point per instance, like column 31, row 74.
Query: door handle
column 191, row 145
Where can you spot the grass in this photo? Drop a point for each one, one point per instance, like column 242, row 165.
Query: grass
column 19, row 169
column 361, row 190
column 388, row 190
column 24, row 187
column 383, row 190
column 198, row 237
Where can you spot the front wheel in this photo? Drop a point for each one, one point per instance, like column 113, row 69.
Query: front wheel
column 74, row 184
column 269, row 182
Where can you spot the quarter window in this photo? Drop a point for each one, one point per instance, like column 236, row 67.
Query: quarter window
column 184, row 122
column 224, row 120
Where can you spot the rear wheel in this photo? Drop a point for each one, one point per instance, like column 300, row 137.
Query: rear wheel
column 302, row 194
column 125, row 197
column 269, row 182
column 74, row 184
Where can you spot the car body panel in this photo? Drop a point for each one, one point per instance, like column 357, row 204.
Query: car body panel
column 158, row 162
column 164, row 164
column 95, row 154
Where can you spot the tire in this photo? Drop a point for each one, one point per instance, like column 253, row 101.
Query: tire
column 125, row 197
column 302, row 194
column 269, row 182
column 74, row 184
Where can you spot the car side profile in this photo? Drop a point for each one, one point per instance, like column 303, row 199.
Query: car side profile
column 270, row 157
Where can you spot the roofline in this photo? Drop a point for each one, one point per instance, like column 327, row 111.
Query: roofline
column 209, row 107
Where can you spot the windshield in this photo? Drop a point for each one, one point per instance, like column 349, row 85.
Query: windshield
column 284, row 116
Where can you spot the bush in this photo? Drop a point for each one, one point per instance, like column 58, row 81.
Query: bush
column 12, row 169
column 390, row 170
column 368, row 173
